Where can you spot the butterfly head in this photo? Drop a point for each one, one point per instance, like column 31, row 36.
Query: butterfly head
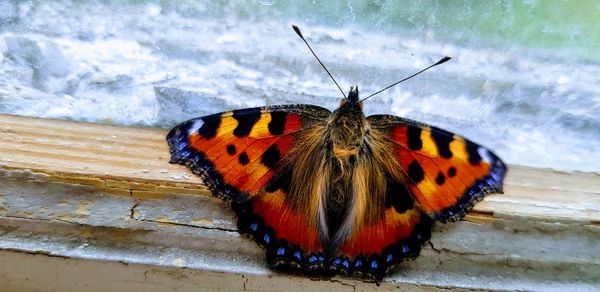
column 353, row 94
column 352, row 102
column 347, row 125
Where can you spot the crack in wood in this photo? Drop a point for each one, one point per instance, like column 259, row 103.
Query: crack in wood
column 188, row 225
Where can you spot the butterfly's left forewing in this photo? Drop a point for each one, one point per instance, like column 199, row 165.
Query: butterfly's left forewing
column 445, row 173
column 241, row 157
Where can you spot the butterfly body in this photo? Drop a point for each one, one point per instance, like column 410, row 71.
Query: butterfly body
column 336, row 191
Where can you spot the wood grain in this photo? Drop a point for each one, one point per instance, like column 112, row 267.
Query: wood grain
column 137, row 158
column 88, row 205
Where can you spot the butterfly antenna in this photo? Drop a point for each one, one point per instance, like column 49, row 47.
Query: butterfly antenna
column 297, row 30
column 441, row 61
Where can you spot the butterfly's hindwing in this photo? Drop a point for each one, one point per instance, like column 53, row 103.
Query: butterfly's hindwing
column 286, row 234
column 446, row 174
column 376, row 247
column 386, row 225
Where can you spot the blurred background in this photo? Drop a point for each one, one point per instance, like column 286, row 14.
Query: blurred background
column 524, row 79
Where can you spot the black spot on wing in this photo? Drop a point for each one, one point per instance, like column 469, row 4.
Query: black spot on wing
column 440, row 179
column 397, row 196
column 231, row 149
column 210, row 126
column 451, row 171
column 413, row 135
column 442, row 141
column 277, row 123
column 246, row 119
column 243, row 158
column 271, row 156
column 474, row 157
column 415, row 172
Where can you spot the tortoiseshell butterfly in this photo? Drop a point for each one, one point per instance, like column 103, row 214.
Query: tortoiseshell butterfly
column 336, row 191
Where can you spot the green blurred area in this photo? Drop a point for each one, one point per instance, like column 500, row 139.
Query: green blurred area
column 547, row 24
column 570, row 28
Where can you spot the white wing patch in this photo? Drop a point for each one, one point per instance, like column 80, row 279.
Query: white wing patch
column 485, row 154
column 195, row 126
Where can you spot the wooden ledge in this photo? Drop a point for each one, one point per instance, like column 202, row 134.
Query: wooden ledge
column 99, row 196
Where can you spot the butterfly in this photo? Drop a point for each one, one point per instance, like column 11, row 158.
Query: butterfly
column 336, row 192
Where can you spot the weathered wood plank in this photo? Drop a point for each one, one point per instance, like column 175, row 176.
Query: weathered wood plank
column 175, row 231
column 28, row 272
column 76, row 191
column 123, row 157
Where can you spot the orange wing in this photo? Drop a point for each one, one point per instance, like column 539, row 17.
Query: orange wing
column 239, row 155
column 375, row 248
column 446, row 173
column 236, row 153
